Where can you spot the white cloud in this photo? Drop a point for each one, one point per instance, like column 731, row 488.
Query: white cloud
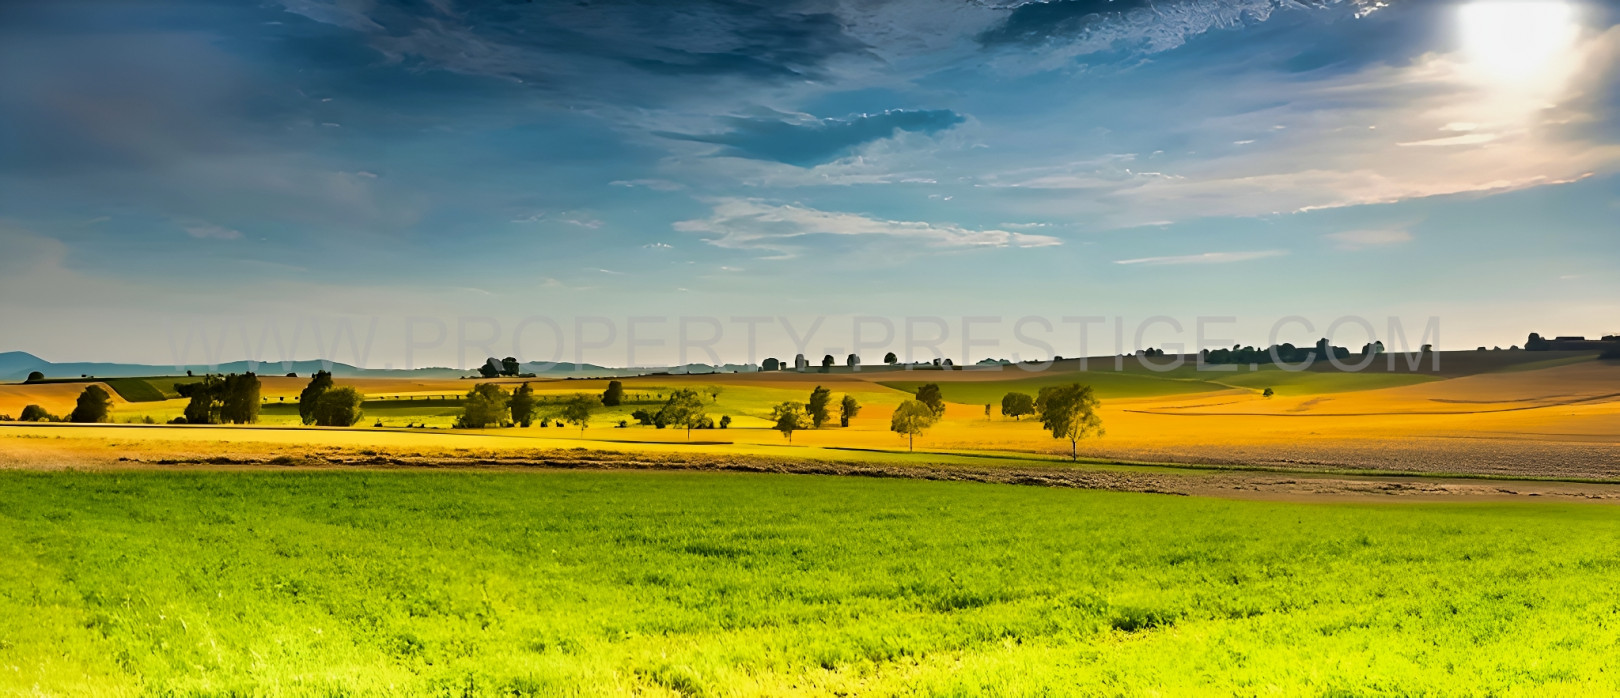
column 1205, row 258
column 1350, row 139
column 1362, row 239
column 755, row 224
column 657, row 246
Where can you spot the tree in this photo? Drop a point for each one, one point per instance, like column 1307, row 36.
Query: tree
column 35, row 413
column 1017, row 405
column 853, row 361
column 789, row 417
column 339, row 407
column 725, row 421
column 1537, row 343
column 827, row 363
column 817, row 408
column 911, row 419
column 1070, row 412
column 613, row 395
column 490, row 369
column 770, row 365
column 799, row 363
column 579, row 409
column 204, row 397
column 1268, row 393
column 683, row 409
column 485, row 404
column 523, row 404
column 713, row 392
column 890, row 358
column 318, row 384
column 93, row 406
column 510, row 366
column 987, row 412
column 847, row 409
column 35, row 376
column 929, row 395
column 239, row 399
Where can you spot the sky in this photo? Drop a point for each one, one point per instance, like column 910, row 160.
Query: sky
column 449, row 179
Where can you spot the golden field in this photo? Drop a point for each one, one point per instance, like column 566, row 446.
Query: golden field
column 1493, row 413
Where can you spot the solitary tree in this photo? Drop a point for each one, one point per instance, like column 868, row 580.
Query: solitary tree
column 1268, row 393
column 485, row 404
column 318, row 384
column 684, row 409
column 789, row 417
column 94, row 406
column 890, row 358
column 770, row 365
column 613, row 395
column 35, row 413
column 819, row 399
column 523, row 404
column 853, row 361
column 799, row 363
column 35, row 376
column 987, row 412
column 579, row 409
column 827, row 363
column 847, row 409
column 510, row 366
column 725, row 421
column 929, row 395
column 1017, row 405
column 910, row 420
column 1070, row 412
column 339, row 407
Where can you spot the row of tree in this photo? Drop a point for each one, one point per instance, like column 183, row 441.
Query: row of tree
column 1067, row 411
column 791, row 416
column 232, row 399
column 827, row 362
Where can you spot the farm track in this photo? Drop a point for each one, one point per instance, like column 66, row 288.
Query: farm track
column 1241, row 482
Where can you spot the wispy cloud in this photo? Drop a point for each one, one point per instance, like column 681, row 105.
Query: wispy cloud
column 1362, row 239
column 756, row 224
column 208, row 231
column 1205, row 258
column 653, row 184
column 803, row 140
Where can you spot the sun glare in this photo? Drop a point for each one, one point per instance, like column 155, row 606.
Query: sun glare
column 1518, row 41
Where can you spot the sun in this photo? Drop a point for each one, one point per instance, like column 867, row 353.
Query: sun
column 1517, row 41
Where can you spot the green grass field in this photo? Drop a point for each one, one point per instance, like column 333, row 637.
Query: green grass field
column 368, row 583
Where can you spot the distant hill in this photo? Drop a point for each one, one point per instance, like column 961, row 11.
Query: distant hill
column 16, row 365
column 20, row 363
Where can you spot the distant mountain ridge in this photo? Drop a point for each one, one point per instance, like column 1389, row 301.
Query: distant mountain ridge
column 16, row 365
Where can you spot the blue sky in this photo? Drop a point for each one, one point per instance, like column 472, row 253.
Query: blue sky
column 173, row 163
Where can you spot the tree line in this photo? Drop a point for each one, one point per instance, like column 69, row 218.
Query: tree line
column 790, row 416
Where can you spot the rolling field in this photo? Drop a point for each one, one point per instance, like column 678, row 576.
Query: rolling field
column 1496, row 413
column 680, row 584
